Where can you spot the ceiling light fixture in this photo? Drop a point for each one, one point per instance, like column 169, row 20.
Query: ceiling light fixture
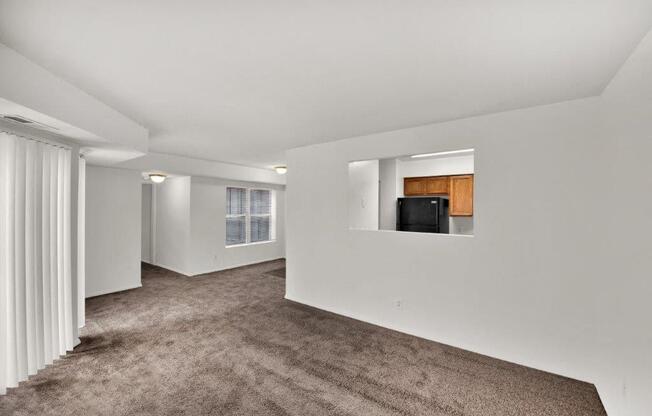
column 157, row 177
column 452, row 152
column 281, row 170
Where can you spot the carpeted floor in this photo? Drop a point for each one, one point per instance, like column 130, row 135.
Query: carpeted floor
column 227, row 343
column 280, row 272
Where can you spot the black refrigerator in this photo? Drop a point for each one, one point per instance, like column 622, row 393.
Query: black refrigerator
column 422, row 215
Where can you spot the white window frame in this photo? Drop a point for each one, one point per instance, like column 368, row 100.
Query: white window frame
column 247, row 215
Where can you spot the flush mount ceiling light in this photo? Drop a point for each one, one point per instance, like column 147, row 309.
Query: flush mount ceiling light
column 157, row 177
column 453, row 152
column 281, row 170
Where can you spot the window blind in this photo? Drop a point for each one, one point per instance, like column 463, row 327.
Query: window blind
column 248, row 215
column 236, row 219
column 260, row 211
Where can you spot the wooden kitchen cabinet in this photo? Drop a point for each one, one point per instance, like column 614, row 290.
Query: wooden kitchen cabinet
column 414, row 186
column 461, row 196
column 437, row 185
column 458, row 188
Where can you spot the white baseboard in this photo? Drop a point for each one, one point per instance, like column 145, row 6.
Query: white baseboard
column 120, row 289
column 236, row 266
column 174, row 269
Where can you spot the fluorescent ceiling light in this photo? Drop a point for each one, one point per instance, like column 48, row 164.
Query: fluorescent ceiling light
column 281, row 170
column 157, row 177
column 452, row 152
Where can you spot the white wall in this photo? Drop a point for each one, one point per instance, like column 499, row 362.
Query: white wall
column 190, row 230
column 520, row 296
column 208, row 228
column 388, row 193
column 172, row 223
column 625, row 307
column 460, row 225
column 548, row 280
column 113, row 215
column 146, row 224
column 363, row 194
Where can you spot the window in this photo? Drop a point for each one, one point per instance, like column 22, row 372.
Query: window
column 249, row 216
column 236, row 216
column 260, row 215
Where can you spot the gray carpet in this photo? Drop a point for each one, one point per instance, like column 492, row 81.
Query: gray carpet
column 227, row 343
column 280, row 272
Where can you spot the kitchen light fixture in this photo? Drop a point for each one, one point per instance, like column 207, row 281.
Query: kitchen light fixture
column 452, row 152
column 157, row 177
column 281, row 170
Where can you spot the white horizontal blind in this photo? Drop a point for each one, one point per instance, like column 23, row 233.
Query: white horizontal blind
column 236, row 216
column 36, row 319
column 260, row 215
column 249, row 215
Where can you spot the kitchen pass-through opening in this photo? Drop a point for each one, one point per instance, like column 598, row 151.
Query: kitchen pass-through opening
column 423, row 193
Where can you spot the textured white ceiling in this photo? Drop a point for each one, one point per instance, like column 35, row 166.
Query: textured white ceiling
column 243, row 80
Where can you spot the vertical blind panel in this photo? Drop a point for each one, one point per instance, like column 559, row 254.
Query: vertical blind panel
column 54, row 243
column 19, row 260
column 30, row 257
column 45, row 257
column 4, row 235
column 81, row 242
column 67, row 255
column 36, row 320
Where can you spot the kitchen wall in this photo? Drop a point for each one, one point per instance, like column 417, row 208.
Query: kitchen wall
column 460, row 225
column 388, row 177
column 113, row 215
column 363, row 194
column 547, row 281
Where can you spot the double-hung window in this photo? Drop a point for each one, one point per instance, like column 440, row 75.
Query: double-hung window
column 249, row 215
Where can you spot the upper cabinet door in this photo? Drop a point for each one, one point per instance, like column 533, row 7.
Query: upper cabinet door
column 414, row 186
column 461, row 196
column 437, row 185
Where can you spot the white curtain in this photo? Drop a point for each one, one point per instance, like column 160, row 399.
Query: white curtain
column 81, row 244
column 36, row 316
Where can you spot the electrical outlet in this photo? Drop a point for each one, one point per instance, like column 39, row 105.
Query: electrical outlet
column 398, row 303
